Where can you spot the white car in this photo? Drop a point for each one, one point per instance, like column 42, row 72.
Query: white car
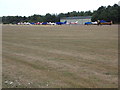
column 94, row 23
column 50, row 23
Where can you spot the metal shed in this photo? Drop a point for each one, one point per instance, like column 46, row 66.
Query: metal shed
column 80, row 19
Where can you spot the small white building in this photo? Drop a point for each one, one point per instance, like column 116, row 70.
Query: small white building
column 80, row 19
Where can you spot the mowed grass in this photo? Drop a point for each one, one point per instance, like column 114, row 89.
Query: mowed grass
column 60, row 56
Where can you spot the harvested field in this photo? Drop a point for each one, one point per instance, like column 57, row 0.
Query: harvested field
column 73, row 56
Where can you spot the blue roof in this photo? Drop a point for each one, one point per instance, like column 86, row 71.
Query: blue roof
column 102, row 21
column 88, row 23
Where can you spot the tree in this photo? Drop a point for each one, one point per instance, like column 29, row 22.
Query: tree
column 107, row 13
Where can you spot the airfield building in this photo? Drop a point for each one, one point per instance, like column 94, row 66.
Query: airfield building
column 80, row 19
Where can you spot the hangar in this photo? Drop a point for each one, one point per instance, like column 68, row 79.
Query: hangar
column 80, row 19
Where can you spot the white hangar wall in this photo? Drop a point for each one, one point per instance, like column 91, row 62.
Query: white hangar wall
column 80, row 19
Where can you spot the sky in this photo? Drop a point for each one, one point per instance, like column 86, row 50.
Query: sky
column 41, row 7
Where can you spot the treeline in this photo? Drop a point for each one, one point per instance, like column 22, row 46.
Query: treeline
column 40, row 18
column 107, row 13
column 102, row 13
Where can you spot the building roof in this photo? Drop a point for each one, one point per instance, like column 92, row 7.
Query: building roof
column 78, row 17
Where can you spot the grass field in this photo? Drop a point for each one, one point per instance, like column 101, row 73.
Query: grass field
column 60, row 56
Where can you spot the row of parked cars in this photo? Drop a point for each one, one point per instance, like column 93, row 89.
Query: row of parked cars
column 99, row 22
column 42, row 23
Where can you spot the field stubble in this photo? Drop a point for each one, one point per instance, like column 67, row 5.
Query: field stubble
column 60, row 56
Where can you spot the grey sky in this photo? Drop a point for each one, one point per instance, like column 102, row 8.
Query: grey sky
column 30, row 7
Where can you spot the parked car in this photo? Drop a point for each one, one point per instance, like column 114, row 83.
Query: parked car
column 88, row 23
column 102, row 22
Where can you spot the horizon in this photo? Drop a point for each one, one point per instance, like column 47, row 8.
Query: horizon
column 21, row 8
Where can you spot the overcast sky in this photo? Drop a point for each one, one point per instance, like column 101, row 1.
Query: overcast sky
column 30, row 7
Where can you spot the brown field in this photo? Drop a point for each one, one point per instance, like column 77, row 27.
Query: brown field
column 60, row 56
